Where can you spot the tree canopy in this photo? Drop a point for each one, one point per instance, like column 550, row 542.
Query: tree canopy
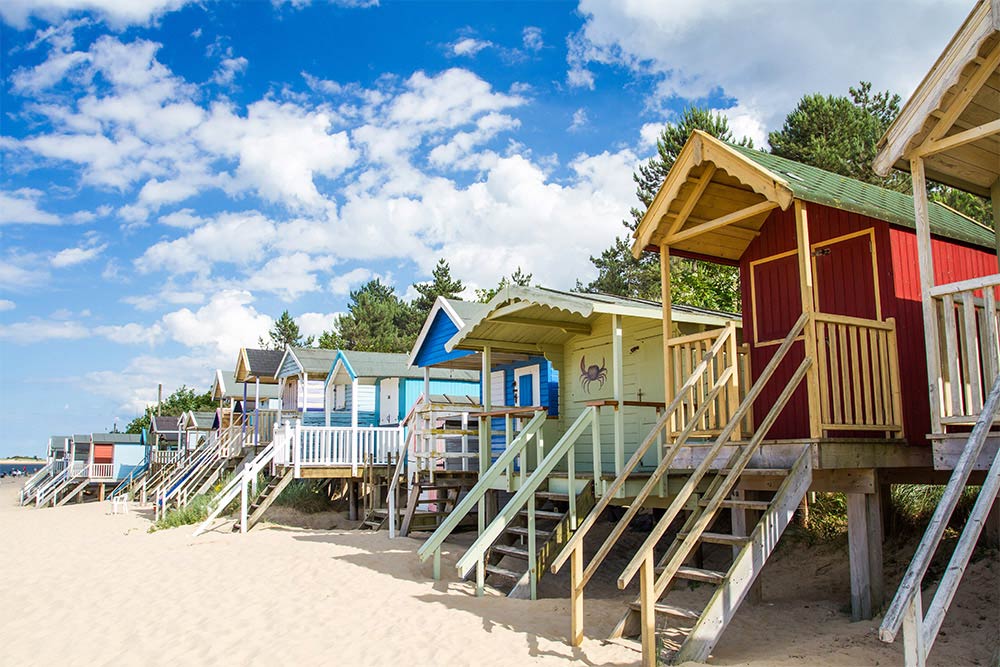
column 284, row 333
column 519, row 278
column 183, row 398
column 377, row 320
column 442, row 283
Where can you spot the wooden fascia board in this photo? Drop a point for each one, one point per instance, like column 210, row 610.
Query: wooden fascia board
column 692, row 200
column 500, row 346
column 629, row 311
column 511, row 309
column 568, row 327
column 760, row 179
column 689, row 157
column 965, row 95
column 926, row 98
column 732, row 218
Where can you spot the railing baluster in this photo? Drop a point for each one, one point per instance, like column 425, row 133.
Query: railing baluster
column 972, row 365
column 835, row 359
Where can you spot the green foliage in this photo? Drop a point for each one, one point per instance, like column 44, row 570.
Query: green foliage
column 839, row 133
column 377, row 320
column 194, row 512
column 304, row 496
column 518, row 279
column 693, row 282
column 177, row 403
column 966, row 203
column 284, row 333
column 441, row 284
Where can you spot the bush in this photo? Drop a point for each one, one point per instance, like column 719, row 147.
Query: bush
column 195, row 511
column 304, row 496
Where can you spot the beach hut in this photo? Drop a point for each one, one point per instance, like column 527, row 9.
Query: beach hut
column 257, row 370
column 949, row 132
column 302, row 377
column 835, row 380
column 56, row 457
column 166, row 435
column 571, row 385
column 198, row 427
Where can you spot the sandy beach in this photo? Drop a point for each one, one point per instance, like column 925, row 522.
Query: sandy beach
column 83, row 585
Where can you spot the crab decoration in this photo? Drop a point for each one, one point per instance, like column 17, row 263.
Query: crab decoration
column 591, row 374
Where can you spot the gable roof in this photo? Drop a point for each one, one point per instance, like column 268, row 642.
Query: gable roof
column 714, row 180
column 391, row 365
column 563, row 314
column 118, row 438
column 198, row 420
column 459, row 312
column 253, row 364
column 164, row 424
column 227, row 386
column 950, row 99
column 309, row 359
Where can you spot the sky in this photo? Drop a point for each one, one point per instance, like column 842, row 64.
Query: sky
column 175, row 174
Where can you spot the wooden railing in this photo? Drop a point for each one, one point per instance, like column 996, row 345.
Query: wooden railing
column 920, row 628
column 102, row 470
column 969, row 348
column 334, row 446
column 165, row 456
column 858, row 374
column 686, row 353
column 266, row 419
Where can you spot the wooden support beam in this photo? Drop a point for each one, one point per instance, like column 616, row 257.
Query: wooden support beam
column 568, row 327
column 668, row 326
column 806, row 283
column 858, row 552
column 732, row 218
column 961, row 99
column 874, row 511
column 959, row 139
column 482, row 343
column 926, row 265
column 510, row 309
column 692, row 200
column 995, row 200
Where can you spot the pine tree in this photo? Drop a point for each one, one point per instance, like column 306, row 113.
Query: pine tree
column 442, row 284
column 284, row 333
column 377, row 320
column 518, row 279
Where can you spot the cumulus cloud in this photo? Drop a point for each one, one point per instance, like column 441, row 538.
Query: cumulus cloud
column 79, row 255
column 694, row 49
column 314, row 324
column 220, row 327
column 469, row 46
column 21, row 207
column 531, row 36
column 579, row 121
column 228, row 69
column 118, row 14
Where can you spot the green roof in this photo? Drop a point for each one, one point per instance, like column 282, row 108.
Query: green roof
column 819, row 186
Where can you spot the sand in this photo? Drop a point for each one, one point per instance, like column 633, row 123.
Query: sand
column 89, row 587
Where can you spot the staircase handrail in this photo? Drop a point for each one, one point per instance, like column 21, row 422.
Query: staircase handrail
column 71, row 476
column 919, row 629
column 484, row 484
column 398, row 472
column 170, row 483
column 42, row 493
column 235, row 486
column 477, row 551
column 36, row 479
column 612, row 490
column 691, row 483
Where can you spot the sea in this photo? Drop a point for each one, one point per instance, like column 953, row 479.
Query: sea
column 29, row 468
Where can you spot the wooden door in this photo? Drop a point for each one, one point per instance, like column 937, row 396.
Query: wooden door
column 846, row 276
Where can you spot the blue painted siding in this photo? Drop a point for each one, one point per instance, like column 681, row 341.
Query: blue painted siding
column 128, row 457
column 343, row 417
column 548, row 382
column 432, row 350
column 410, row 390
column 289, row 367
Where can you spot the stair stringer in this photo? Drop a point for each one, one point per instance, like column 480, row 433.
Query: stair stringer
column 722, row 607
column 74, row 492
column 269, row 499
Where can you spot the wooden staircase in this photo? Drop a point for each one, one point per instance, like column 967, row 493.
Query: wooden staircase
column 508, row 566
column 694, row 633
column 272, row 488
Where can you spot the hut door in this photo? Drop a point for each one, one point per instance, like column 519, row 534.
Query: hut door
column 846, row 276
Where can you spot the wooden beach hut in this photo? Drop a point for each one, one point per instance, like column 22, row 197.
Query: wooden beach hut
column 302, row 377
column 95, row 462
column 571, row 384
column 257, row 370
column 949, row 132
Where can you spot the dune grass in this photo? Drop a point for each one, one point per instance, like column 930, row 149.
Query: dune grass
column 304, row 496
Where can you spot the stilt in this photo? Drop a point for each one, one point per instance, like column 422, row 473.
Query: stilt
column 741, row 519
column 873, row 506
column 859, row 553
column 352, row 502
column 101, row 492
column 991, row 529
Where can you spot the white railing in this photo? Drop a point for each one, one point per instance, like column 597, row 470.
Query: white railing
column 102, row 470
column 335, row 446
column 166, row 456
column 37, row 479
column 238, row 486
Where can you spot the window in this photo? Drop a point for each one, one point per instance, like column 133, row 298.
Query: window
column 498, row 392
column 340, row 397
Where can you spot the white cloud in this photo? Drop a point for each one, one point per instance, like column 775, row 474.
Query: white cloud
column 288, row 276
column 649, row 134
column 79, row 255
column 7, row 304
column 22, row 271
column 220, row 327
column 134, row 386
column 343, row 284
column 469, row 46
column 579, row 121
column 694, row 49
column 746, row 122
column 314, row 324
column 21, row 207
column 118, row 13
column 36, row 330
column 228, row 69
column 532, row 38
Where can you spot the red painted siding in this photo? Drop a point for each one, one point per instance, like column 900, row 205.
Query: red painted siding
column 845, row 285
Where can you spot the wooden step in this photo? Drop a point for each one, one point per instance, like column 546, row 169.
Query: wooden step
column 761, row 472
column 544, row 514
column 741, row 504
column 552, row 495
column 719, row 538
column 524, row 532
column 510, row 550
column 503, row 572
column 699, row 574
column 668, row 609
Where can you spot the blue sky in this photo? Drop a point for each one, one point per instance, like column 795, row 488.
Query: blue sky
column 174, row 174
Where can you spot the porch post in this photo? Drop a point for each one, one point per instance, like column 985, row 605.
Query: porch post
column 427, row 384
column 281, row 400
column 256, row 413
column 926, row 263
column 354, row 427
column 485, row 430
column 618, row 380
column 243, row 419
column 668, row 327
column 808, row 308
